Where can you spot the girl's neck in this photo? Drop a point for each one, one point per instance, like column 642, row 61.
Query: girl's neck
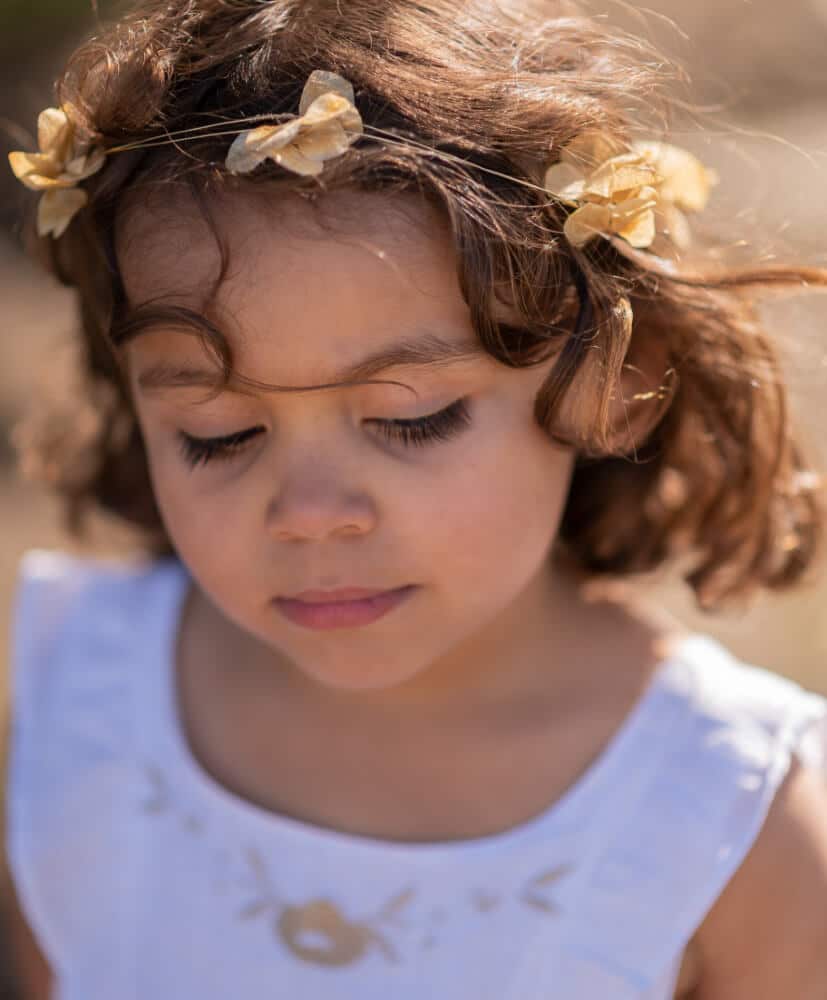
column 540, row 701
column 550, row 644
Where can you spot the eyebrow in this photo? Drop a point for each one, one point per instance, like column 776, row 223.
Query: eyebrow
column 426, row 350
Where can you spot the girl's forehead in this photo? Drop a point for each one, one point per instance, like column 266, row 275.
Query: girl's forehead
column 169, row 249
column 303, row 295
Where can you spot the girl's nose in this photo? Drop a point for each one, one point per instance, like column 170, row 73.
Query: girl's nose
column 312, row 505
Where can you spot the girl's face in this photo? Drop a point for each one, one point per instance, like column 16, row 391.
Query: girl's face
column 266, row 494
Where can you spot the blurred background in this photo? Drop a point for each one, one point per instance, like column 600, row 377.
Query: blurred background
column 758, row 63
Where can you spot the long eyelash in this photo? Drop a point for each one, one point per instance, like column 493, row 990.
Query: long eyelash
column 437, row 427
column 199, row 451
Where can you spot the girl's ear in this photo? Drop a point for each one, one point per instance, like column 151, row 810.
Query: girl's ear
column 645, row 392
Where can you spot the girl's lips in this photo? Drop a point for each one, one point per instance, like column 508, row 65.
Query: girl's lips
column 334, row 596
column 341, row 613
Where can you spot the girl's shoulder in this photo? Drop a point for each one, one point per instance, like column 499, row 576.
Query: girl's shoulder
column 745, row 713
column 753, row 769
column 83, row 629
column 80, row 627
column 725, row 735
column 63, row 576
column 696, row 771
column 63, row 599
column 85, row 633
column 718, row 689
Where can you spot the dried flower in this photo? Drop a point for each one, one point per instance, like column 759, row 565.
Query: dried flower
column 328, row 124
column 627, row 192
column 62, row 163
column 685, row 187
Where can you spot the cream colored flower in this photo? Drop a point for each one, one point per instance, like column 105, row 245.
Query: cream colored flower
column 626, row 192
column 685, row 187
column 60, row 165
column 328, row 124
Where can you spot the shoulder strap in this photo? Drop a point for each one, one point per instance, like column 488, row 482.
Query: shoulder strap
column 665, row 856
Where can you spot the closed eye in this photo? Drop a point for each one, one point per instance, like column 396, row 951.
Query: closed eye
column 436, row 427
column 439, row 426
column 199, row 451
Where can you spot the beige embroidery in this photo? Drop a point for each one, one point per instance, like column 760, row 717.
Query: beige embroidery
column 159, row 800
column 336, row 940
column 484, row 902
column 532, row 894
column 319, row 931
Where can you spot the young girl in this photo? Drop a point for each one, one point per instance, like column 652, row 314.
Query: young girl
column 394, row 343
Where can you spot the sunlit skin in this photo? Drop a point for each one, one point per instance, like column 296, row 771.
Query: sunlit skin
column 494, row 658
column 319, row 498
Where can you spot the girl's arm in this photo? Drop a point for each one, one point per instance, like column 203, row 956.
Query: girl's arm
column 766, row 937
column 32, row 975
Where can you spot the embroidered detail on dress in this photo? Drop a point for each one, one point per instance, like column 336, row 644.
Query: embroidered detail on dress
column 319, row 931
column 158, row 801
column 193, row 824
column 531, row 895
column 483, row 901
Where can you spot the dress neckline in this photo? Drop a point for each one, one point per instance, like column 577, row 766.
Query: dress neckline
column 564, row 816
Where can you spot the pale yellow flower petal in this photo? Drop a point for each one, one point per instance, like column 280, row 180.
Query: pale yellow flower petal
column 565, row 181
column 31, row 168
column 686, row 181
column 621, row 174
column 637, row 228
column 241, row 157
column 331, row 107
column 590, row 149
column 84, row 166
column 327, row 126
column 57, row 169
column 635, row 191
column 292, row 159
column 634, row 219
column 55, row 133
column 273, row 138
column 321, row 82
column 254, row 146
column 73, row 170
column 323, row 143
column 587, row 222
column 94, row 162
column 37, row 182
column 57, row 209
column 673, row 223
column 645, row 198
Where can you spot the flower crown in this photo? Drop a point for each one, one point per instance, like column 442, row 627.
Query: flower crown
column 633, row 192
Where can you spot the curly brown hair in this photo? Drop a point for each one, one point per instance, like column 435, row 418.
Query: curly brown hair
column 718, row 480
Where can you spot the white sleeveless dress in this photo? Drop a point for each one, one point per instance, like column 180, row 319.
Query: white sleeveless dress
column 144, row 878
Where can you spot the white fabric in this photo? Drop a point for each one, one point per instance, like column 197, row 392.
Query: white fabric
column 144, row 878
